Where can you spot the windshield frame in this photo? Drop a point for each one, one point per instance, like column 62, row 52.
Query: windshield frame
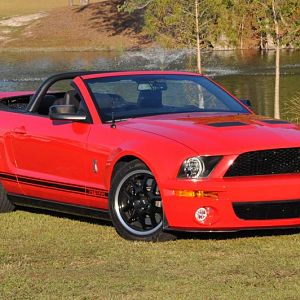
column 110, row 77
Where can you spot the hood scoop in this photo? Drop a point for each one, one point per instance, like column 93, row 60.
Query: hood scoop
column 227, row 124
column 274, row 122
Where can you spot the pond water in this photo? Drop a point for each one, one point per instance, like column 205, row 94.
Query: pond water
column 247, row 74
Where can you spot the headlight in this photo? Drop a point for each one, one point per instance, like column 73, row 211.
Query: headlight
column 198, row 167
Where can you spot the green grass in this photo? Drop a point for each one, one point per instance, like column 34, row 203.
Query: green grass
column 22, row 7
column 49, row 257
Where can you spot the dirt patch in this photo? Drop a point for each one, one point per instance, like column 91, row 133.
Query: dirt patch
column 11, row 28
column 98, row 25
column 22, row 20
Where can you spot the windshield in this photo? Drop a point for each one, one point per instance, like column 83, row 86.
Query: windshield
column 123, row 97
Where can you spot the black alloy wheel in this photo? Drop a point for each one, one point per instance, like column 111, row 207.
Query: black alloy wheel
column 136, row 204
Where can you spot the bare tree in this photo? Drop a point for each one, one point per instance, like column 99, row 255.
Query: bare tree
column 198, row 37
column 282, row 23
column 277, row 63
column 132, row 5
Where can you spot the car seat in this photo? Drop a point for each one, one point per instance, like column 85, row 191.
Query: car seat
column 45, row 104
column 150, row 99
column 71, row 98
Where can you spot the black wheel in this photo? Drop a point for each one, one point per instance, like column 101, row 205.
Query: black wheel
column 136, row 205
column 5, row 204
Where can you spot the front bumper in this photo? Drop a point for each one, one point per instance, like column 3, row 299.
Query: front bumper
column 267, row 191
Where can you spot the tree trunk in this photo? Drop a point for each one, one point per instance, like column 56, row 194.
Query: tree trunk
column 70, row 2
column 198, row 37
column 277, row 64
column 262, row 47
column 241, row 33
column 277, row 80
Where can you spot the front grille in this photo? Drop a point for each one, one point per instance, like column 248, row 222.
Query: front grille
column 266, row 162
column 267, row 210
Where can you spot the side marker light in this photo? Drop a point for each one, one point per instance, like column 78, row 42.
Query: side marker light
column 196, row 194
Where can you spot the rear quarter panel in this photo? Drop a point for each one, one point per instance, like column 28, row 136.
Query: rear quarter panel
column 4, row 95
column 7, row 162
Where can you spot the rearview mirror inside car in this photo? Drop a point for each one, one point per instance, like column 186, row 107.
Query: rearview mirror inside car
column 246, row 102
column 152, row 86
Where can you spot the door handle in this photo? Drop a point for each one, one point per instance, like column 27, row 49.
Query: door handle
column 20, row 130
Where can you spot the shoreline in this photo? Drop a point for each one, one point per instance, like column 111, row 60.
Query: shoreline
column 118, row 50
column 59, row 49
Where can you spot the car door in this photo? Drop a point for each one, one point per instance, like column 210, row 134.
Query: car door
column 50, row 160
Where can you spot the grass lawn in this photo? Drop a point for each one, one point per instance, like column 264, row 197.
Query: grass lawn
column 22, row 7
column 50, row 257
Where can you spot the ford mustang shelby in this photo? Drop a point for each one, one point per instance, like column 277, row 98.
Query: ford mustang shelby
column 152, row 151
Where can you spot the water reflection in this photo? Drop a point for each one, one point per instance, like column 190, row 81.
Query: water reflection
column 246, row 74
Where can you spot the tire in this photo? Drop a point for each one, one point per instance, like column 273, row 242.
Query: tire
column 5, row 204
column 135, row 204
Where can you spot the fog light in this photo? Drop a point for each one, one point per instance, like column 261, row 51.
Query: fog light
column 201, row 214
column 206, row 215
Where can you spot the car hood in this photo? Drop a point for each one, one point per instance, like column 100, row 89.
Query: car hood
column 220, row 134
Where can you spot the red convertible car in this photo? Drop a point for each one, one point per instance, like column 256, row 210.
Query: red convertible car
column 154, row 152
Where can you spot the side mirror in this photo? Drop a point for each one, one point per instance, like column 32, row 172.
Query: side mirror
column 66, row 113
column 246, row 102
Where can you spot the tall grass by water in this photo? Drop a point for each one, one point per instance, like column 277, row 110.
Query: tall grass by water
column 291, row 109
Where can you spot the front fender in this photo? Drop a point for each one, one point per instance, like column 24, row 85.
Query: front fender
column 162, row 156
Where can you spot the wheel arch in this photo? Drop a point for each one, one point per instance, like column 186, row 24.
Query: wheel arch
column 162, row 156
column 123, row 160
column 127, row 156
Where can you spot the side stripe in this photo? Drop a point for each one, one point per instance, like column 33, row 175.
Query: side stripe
column 8, row 177
column 89, row 191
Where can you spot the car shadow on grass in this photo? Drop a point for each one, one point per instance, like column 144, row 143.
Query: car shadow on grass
column 66, row 216
column 180, row 235
column 236, row 234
